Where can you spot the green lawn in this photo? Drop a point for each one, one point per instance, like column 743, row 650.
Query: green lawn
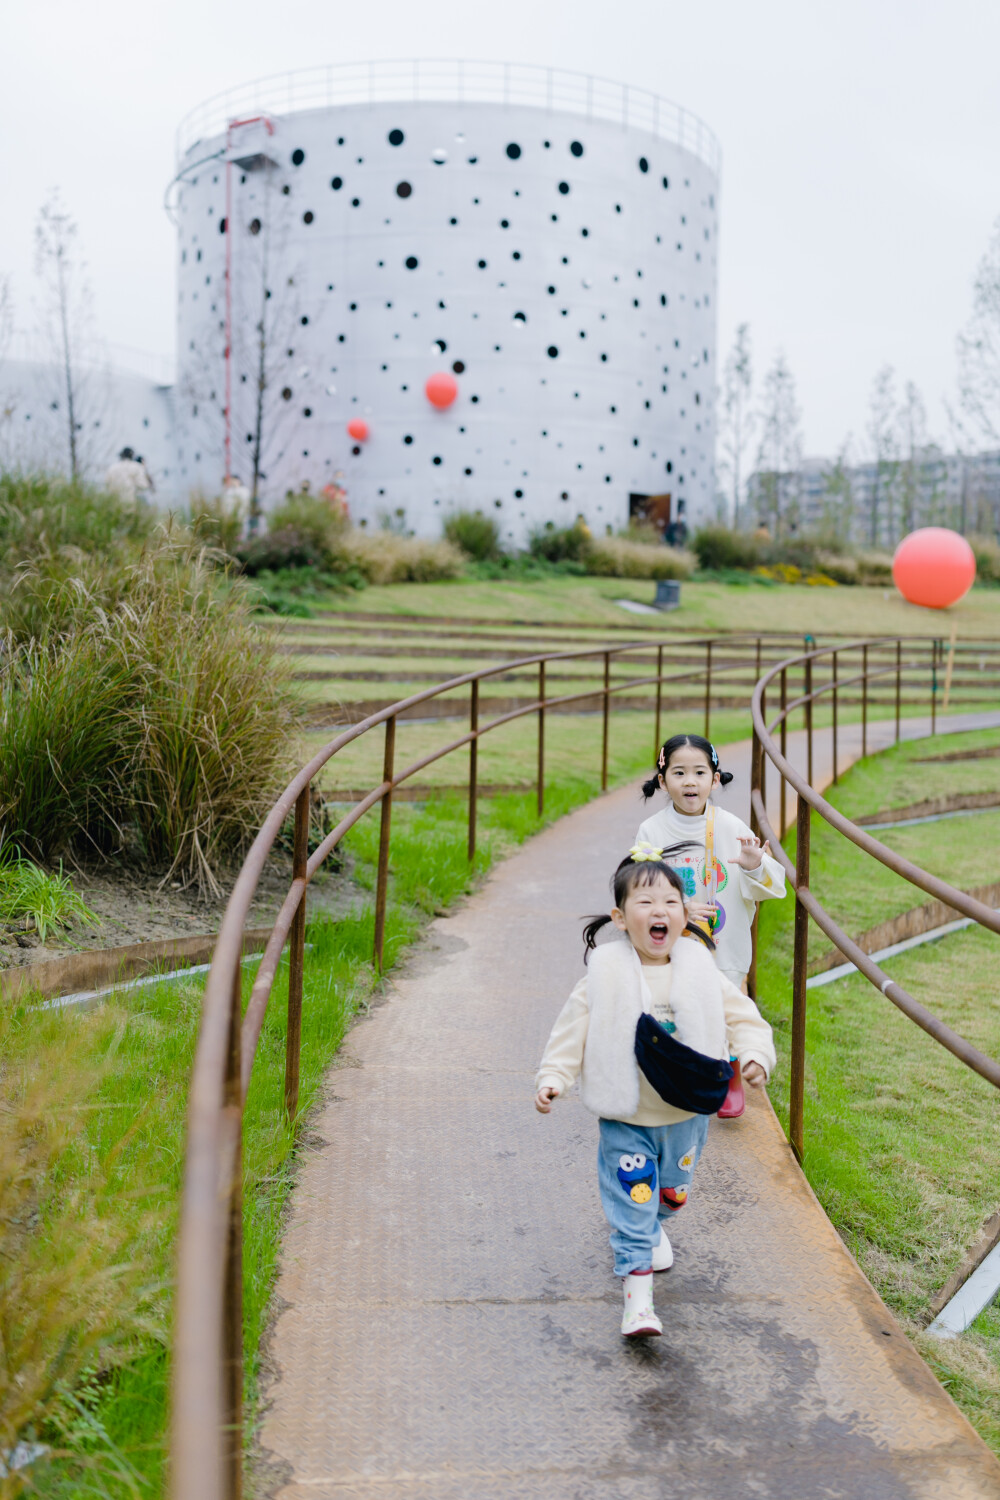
column 902, row 1143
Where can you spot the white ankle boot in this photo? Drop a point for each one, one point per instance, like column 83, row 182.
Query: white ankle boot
column 663, row 1255
column 639, row 1319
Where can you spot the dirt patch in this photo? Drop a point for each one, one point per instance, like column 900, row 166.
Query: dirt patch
column 133, row 908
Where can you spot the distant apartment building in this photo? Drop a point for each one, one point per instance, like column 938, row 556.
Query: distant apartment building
column 875, row 504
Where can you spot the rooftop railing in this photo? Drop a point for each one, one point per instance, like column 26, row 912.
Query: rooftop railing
column 448, row 80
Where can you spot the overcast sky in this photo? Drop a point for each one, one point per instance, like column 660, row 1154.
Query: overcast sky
column 861, row 150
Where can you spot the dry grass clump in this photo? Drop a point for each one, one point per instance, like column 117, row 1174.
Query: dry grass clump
column 141, row 708
column 76, row 1290
column 619, row 557
column 384, row 557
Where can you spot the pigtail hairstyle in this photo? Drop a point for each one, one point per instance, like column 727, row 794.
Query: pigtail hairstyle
column 640, row 867
column 677, row 742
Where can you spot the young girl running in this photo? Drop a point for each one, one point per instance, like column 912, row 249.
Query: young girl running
column 640, row 996
column 726, row 871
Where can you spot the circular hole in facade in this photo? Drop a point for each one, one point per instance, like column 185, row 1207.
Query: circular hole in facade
column 336, row 183
column 585, row 232
column 452, row 221
column 518, row 494
column 520, row 317
column 515, row 255
column 459, row 367
column 436, row 459
column 474, row 399
column 304, row 319
column 552, row 352
column 355, row 450
column 564, row 495
column 396, row 137
column 403, row 190
column 498, row 503
column 308, row 216
column 564, row 187
column 663, row 299
column 513, row 150
column 670, row 466
column 439, row 345
column 222, row 226
column 411, row 262
column 643, row 164
column 482, row 265
column 355, row 202
column 286, row 394
column 255, row 226
column 604, row 359
column 286, row 190
column 504, row 223
column 298, row 156
column 307, row 411
column 551, row 291
column 576, row 147
column 666, row 182
column 439, row 157
column 408, row 438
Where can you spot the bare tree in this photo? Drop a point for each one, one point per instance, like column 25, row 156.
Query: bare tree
column 738, row 418
column 912, row 421
column 838, row 498
column 882, row 438
column 780, row 452
column 66, row 311
column 978, row 347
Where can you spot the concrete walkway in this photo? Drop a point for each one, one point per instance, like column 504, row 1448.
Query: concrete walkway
column 447, row 1320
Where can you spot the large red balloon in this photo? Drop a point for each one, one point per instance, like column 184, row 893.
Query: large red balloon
column 441, row 389
column 934, row 567
column 358, row 428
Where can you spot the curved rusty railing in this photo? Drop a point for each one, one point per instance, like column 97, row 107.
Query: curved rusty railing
column 206, row 1432
column 808, row 801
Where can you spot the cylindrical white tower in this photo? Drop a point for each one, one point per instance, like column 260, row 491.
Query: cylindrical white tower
column 546, row 239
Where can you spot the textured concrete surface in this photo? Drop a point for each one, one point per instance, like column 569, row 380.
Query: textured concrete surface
column 447, row 1320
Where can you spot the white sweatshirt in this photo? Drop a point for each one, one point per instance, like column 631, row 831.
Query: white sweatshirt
column 748, row 1033
column 738, row 890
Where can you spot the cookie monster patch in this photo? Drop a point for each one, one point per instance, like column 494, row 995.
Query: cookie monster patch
column 637, row 1175
column 686, row 1162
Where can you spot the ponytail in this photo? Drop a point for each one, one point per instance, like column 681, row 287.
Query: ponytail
column 591, row 930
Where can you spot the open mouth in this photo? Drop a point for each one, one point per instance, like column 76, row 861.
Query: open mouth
column 658, row 931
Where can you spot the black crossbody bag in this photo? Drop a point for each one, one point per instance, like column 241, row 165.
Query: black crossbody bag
column 682, row 1077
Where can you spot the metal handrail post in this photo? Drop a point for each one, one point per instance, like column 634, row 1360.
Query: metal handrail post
column 708, row 688
column 864, row 701
column 296, row 955
column 607, row 717
column 758, row 769
column 899, row 680
column 659, row 701
column 833, row 695
column 232, row 1310
column 541, row 738
column 783, row 824
column 382, row 880
column 934, row 651
column 809, row 719
column 800, row 961
column 473, row 766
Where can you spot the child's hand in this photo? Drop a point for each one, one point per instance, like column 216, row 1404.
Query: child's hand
column 754, row 1075
column 544, row 1098
column 751, row 852
column 701, row 911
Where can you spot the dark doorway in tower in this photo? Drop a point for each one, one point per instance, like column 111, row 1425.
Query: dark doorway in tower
column 650, row 510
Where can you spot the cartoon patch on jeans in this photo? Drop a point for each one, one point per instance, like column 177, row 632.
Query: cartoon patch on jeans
column 673, row 1198
column 637, row 1175
column 686, row 1162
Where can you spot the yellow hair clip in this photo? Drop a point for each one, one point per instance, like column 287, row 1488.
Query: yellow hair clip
column 642, row 852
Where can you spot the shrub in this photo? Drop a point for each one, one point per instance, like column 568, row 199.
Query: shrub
column 162, row 722
column 287, row 547
column 874, row 567
column 560, row 544
column 39, row 514
column 216, row 523
column 642, row 531
column 474, row 534
column 717, row 547
column 987, row 551
column 614, row 557
column 40, row 900
column 384, row 557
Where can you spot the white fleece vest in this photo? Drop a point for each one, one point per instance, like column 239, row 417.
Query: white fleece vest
column 617, row 995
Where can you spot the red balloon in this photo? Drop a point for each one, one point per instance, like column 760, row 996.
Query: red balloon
column 441, row 389
column 934, row 567
column 358, row 428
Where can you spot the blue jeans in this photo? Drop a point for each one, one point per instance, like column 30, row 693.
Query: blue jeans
column 635, row 1164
